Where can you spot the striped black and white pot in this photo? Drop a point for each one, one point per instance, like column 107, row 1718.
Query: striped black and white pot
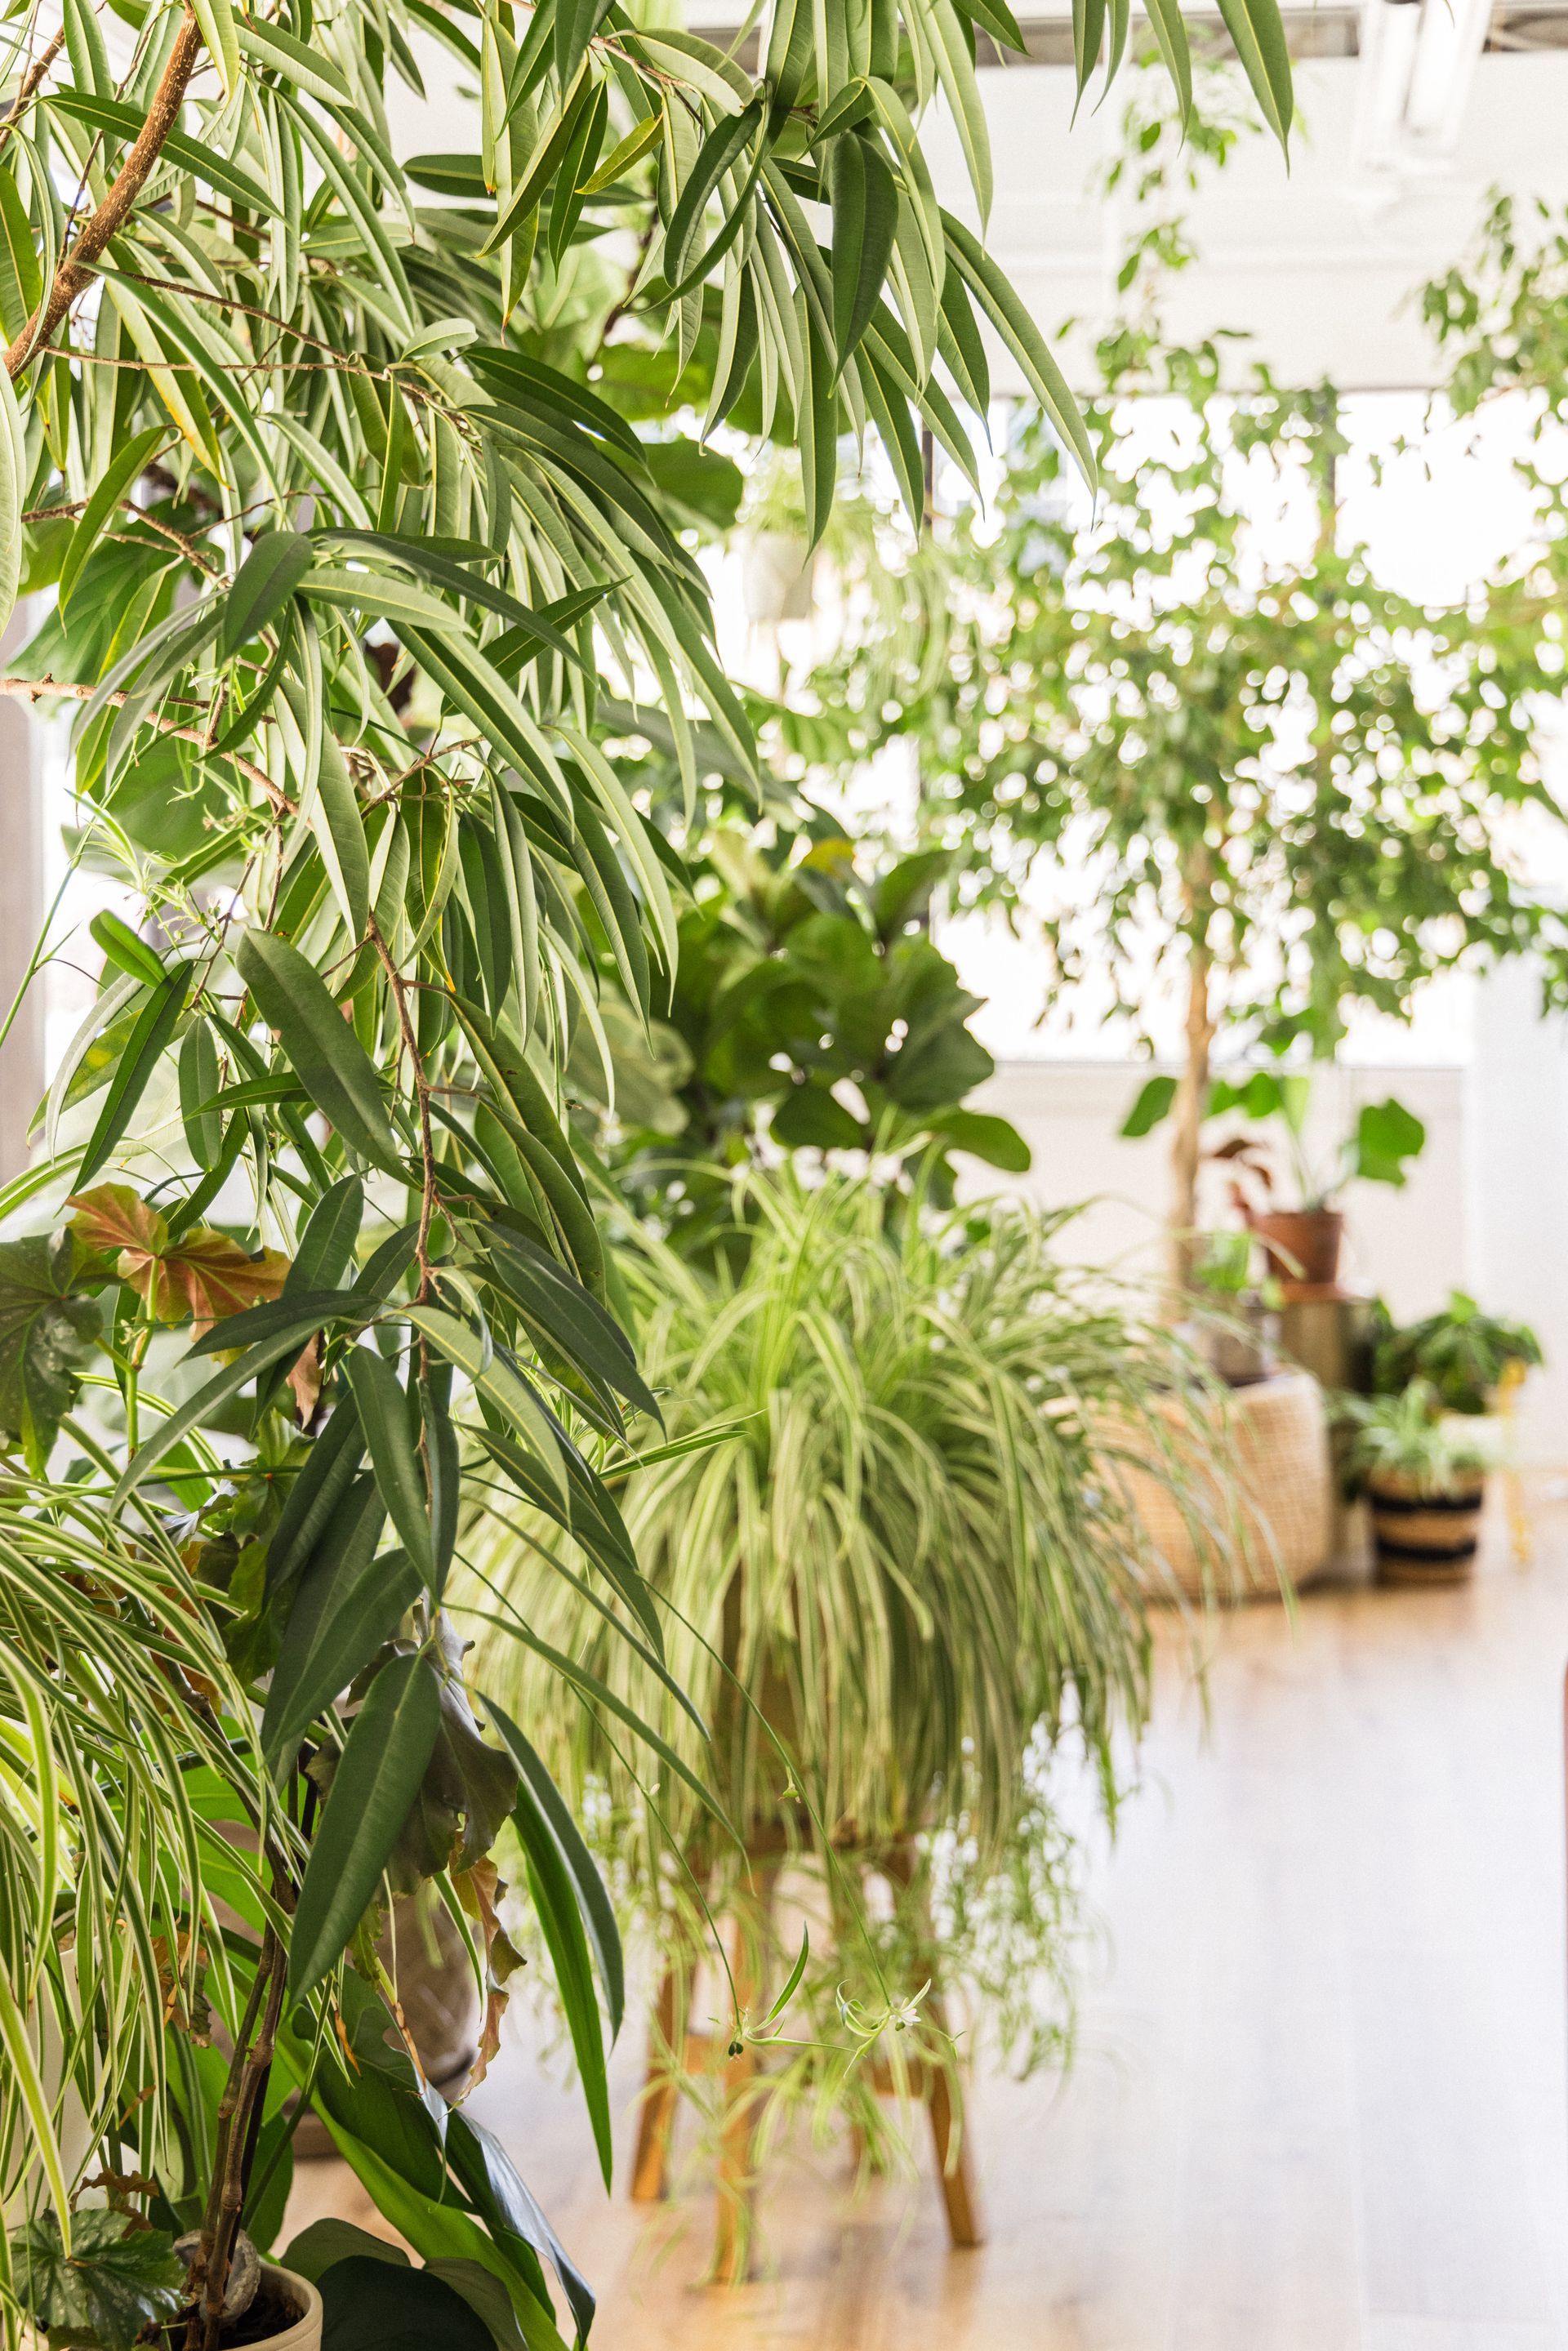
column 1425, row 1538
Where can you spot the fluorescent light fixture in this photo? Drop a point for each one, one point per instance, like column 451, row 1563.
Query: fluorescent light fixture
column 1417, row 60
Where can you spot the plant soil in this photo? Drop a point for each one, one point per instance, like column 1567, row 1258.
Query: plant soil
column 271, row 2312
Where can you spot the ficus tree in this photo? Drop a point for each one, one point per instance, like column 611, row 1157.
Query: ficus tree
column 1201, row 737
column 353, row 549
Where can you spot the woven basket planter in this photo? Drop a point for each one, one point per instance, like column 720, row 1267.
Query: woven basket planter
column 1425, row 1538
column 1277, row 1530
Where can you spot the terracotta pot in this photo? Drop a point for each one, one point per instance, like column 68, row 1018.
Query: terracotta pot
column 1302, row 1247
column 1425, row 1538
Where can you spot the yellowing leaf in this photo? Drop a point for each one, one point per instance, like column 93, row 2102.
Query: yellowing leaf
column 203, row 1274
column 215, row 1277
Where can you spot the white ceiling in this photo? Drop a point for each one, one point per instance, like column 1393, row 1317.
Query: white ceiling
column 1319, row 263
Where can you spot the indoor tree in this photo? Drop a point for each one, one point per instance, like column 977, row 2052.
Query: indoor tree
column 349, row 544
column 1289, row 787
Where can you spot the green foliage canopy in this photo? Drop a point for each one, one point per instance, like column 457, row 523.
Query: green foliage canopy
column 1209, row 705
column 352, row 549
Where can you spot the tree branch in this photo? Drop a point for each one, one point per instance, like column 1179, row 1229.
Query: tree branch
column 74, row 272
column 30, row 80
column 421, row 1089
column 49, row 689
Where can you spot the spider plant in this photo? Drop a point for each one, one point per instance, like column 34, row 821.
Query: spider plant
column 114, row 1773
column 1404, row 1438
column 899, row 1579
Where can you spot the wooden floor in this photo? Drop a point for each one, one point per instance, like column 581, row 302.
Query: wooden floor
column 1320, row 2103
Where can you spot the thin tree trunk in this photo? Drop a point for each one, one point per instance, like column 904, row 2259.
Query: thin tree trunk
column 1186, row 1121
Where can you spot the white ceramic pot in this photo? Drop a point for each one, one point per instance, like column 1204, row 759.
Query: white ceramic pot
column 304, row 2334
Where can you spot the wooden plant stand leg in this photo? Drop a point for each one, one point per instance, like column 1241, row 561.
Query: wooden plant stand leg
column 955, row 2167
column 734, row 2223
column 651, row 2163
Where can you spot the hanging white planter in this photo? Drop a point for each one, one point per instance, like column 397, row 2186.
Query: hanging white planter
column 777, row 571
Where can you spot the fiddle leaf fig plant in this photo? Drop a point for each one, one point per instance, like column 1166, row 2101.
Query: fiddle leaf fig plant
column 1383, row 1140
column 811, row 1010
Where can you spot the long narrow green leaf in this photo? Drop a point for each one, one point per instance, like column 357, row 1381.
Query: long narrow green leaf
column 144, row 1048
column 128, row 466
column 865, row 221
column 345, row 1609
column 125, row 123
column 288, row 1340
column 1022, row 338
column 499, row 1383
column 1258, row 34
column 377, row 1779
column 270, row 573
column 327, row 1057
column 593, row 1901
column 383, row 1409
column 556, row 1905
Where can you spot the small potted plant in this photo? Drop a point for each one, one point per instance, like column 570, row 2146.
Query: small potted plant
column 1304, row 1242
column 118, row 2283
column 1238, row 1331
column 1470, row 1359
column 1424, row 1478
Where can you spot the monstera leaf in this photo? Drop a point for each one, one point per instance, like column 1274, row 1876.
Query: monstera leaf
column 45, row 1325
column 115, row 2280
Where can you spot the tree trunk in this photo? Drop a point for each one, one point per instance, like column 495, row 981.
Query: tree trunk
column 1188, row 1120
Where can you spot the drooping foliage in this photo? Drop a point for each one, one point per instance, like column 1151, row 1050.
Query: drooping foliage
column 355, row 551
column 892, row 1513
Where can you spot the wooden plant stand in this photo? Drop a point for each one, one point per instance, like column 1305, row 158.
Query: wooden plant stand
column 736, row 2170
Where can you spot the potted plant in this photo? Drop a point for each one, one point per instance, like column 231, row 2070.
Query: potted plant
column 810, row 1010
column 348, row 530
column 1424, row 1478
column 1238, row 1333
column 1235, row 729
column 118, row 2283
column 907, row 1572
column 1469, row 1358
column 1302, row 1243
